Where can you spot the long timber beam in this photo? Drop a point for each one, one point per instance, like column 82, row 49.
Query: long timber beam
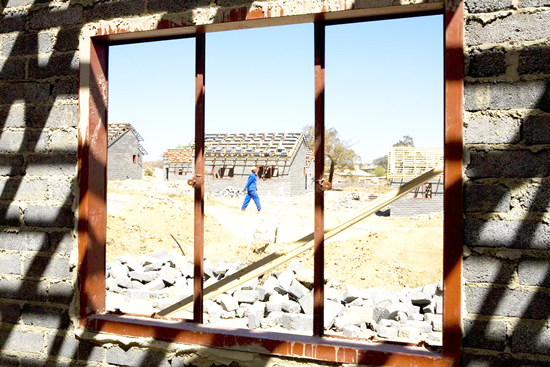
column 280, row 257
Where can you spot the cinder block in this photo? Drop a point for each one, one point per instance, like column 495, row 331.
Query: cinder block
column 487, row 198
column 535, row 272
column 66, row 89
column 27, row 342
column 297, row 290
column 515, row 27
column 116, row 9
column 533, row 3
column 227, row 302
column 9, row 313
column 64, row 141
column 485, row 6
column 507, row 302
column 57, row 115
column 487, row 63
column 531, row 339
column 65, row 345
column 24, row 290
column 45, row 316
column 52, row 165
column 61, row 292
column 88, row 351
column 47, row 18
column 21, row 44
column 297, row 321
column 12, row 69
column 534, row 60
column 509, row 234
column 536, row 129
column 61, row 242
column 341, row 322
column 246, row 296
column 40, row 266
column 487, row 269
column 409, row 332
column 67, row 40
column 484, row 334
column 509, row 164
column 506, row 96
column 30, row 92
column 11, row 264
column 49, row 216
column 306, row 302
column 136, row 357
column 388, row 332
column 351, row 331
column 11, row 165
column 481, row 129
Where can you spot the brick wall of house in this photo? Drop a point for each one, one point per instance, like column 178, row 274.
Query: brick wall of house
column 507, row 125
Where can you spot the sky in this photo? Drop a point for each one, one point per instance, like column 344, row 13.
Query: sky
column 384, row 80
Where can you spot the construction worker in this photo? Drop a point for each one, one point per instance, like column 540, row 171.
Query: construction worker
column 251, row 191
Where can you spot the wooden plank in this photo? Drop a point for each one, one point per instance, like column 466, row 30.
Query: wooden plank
column 280, row 257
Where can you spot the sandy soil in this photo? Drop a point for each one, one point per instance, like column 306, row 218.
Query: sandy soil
column 379, row 252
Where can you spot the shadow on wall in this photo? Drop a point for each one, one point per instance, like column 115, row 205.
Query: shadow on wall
column 29, row 89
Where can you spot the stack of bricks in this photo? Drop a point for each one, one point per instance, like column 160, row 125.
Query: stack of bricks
column 507, row 193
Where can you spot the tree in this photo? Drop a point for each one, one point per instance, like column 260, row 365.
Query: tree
column 407, row 141
column 338, row 152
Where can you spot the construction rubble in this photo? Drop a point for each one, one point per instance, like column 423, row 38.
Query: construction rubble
column 283, row 299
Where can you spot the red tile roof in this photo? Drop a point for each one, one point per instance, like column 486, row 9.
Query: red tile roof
column 179, row 155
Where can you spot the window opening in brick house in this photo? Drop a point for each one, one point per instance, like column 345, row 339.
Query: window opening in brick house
column 384, row 127
column 254, row 119
column 362, row 281
column 149, row 204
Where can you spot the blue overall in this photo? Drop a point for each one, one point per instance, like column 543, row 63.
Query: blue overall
column 251, row 192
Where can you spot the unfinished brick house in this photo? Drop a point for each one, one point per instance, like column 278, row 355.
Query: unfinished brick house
column 283, row 161
column 125, row 153
column 53, row 156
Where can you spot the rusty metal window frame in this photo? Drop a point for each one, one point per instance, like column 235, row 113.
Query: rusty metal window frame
column 92, row 181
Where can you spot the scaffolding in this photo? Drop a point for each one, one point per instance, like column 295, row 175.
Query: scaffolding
column 406, row 163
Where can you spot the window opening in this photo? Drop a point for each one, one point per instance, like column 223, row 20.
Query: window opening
column 150, row 223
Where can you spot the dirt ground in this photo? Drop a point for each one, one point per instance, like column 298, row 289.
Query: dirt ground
column 383, row 252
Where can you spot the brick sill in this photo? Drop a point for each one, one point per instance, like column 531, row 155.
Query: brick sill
column 275, row 343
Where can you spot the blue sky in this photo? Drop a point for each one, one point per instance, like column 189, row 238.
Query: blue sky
column 384, row 79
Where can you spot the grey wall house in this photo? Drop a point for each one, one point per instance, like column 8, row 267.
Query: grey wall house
column 283, row 158
column 125, row 153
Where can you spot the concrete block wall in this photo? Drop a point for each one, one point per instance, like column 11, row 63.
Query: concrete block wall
column 507, row 143
column 409, row 206
column 120, row 158
column 506, row 130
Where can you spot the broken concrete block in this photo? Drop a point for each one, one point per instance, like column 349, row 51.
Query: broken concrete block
column 151, row 263
column 228, row 315
column 332, row 310
column 429, row 289
column 277, row 315
column 439, row 306
column 430, row 317
column 388, row 332
column 365, row 314
column 351, row 331
column 437, row 325
column 255, row 315
column 246, row 296
column 297, row 290
column 424, row 326
column 435, row 336
column 351, row 295
column 269, row 285
column 250, row 285
column 291, row 306
column 227, row 302
column 341, row 322
column 123, row 282
column 213, row 310
column 305, row 276
column 262, row 294
column 118, row 271
column 273, row 306
column 295, row 265
column 268, row 322
column 357, row 302
column 136, row 294
column 333, row 295
column 429, row 308
column 285, row 279
column 134, row 284
column 420, row 298
column 409, row 332
column 186, row 269
column 144, row 277
column 111, row 285
column 208, row 268
column 154, row 285
column 221, row 268
column 306, row 302
column 297, row 321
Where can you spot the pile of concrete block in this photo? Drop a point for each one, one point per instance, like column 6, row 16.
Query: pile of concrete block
column 229, row 192
column 283, row 299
